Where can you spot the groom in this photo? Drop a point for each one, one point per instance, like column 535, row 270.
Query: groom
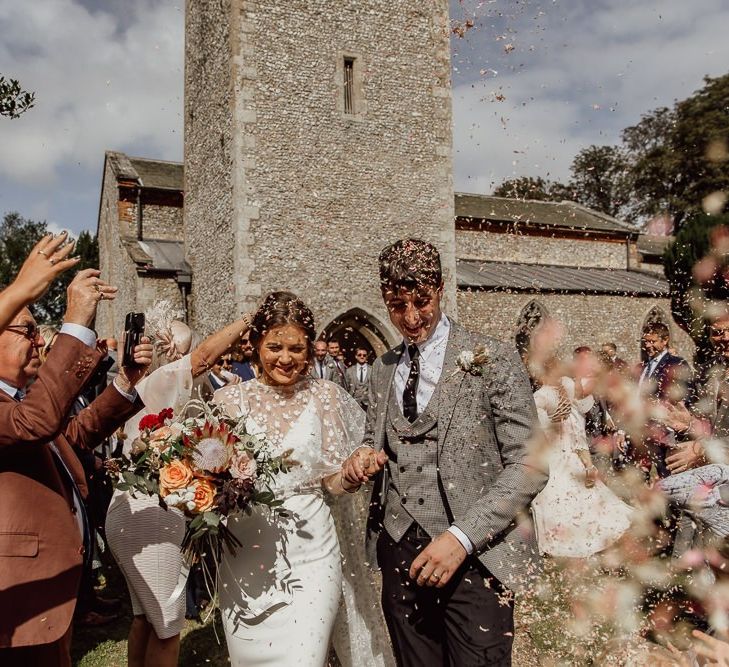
column 447, row 446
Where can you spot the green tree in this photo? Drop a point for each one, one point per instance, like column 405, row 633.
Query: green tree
column 601, row 179
column 696, row 244
column 678, row 156
column 14, row 101
column 528, row 187
column 18, row 235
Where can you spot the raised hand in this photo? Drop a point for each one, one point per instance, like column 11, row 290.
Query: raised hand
column 716, row 651
column 437, row 563
column 47, row 260
column 83, row 296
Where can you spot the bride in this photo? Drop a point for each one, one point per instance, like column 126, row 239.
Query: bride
column 280, row 592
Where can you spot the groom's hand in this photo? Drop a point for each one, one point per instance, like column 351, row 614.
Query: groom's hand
column 438, row 562
column 364, row 463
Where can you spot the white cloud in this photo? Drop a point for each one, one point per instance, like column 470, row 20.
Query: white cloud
column 98, row 84
column 579, row 74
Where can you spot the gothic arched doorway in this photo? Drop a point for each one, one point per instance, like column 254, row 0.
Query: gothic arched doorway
column 529, row 318
column 354, row 329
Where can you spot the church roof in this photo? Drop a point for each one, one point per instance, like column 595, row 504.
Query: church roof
column 158, row 255
column 519, row 277
column 153, row 174
column 539, row 214
column 652, row 245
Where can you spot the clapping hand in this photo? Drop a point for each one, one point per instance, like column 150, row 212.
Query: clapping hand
column 686, row 455
column 84, row 293
column 363, row 464
column 716, row 651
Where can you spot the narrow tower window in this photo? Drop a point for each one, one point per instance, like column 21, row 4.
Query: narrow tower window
column 349, row 85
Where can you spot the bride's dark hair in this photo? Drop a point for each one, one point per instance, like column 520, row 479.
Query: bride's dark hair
column 277, row 310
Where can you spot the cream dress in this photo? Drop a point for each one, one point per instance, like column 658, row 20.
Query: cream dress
column 144, row 538
column 281, row 592
column 570, row 519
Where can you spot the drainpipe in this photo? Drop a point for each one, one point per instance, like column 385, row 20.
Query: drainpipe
column 139, row 213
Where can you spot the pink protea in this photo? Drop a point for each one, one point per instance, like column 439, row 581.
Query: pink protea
column 212, row 447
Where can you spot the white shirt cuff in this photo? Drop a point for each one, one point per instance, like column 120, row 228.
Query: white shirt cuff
column 84, row 334
column 130, row 397
column 462, row 538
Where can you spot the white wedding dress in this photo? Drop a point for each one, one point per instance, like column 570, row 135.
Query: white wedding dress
column 281, row 592
column 570, row 519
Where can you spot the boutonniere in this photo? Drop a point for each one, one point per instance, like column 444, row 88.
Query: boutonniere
column 473, row 361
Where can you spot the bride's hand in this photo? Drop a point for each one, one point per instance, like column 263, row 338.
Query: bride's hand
column 591, row 476
column 363, row 464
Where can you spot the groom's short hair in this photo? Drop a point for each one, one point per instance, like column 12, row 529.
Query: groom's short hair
column 409, row 264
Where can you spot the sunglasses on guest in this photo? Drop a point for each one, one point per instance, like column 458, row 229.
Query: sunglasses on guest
column 29, row 331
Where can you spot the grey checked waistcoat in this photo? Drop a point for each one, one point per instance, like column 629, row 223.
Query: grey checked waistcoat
column 413, row 493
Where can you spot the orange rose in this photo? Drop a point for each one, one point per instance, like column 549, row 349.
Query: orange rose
column 175, row 475
column 204, row 495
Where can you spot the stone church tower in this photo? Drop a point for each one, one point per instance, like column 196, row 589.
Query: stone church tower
column 316, row 131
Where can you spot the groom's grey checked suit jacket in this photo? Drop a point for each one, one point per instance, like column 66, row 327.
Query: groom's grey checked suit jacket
column 483, row 426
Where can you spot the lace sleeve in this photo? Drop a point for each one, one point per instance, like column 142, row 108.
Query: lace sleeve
column 342, row 424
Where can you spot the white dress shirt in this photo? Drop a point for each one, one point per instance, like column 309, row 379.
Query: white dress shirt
column 650, row 367
column 432, row 355
column 362, row 373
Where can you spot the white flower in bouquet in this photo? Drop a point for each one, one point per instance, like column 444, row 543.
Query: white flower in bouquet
column 212, row 447
column 182, row 498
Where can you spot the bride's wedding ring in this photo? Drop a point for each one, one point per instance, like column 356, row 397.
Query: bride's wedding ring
column 41, row 252
column 435, row 576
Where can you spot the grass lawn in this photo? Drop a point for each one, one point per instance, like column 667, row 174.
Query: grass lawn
column 106, row 646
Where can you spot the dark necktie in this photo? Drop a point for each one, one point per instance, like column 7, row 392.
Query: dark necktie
column 321, row 369
column 409, row 402
column 361, row 374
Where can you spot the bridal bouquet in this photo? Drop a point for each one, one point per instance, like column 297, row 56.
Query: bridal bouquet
column 207, row 466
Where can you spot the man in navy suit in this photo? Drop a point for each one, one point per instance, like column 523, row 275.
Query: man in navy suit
column 663, row 377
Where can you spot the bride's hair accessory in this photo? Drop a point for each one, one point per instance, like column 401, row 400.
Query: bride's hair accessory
column 171, row 337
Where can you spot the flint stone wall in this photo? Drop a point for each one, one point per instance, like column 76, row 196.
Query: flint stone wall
column 588, row 320
column 284, row 189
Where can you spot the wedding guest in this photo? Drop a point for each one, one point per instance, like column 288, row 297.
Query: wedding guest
column 44, row 534
column 144, row 538
column 575, row 515
column 90, row 609
column 337, row 356
column 324, row 367
column 610, row 350
column 663, row 379
column 241, row 363
column 358, row 376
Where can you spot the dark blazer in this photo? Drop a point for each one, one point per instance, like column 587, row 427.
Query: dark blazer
column 41, row 549
column 359, row 390
column 670, row 379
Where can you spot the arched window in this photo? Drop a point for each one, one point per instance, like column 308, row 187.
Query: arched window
column 656, row 314
column 530, row 317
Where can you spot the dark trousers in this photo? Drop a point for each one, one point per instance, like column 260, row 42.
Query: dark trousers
column 467, row 623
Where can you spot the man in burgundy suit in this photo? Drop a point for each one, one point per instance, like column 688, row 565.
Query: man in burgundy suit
column 43, row 525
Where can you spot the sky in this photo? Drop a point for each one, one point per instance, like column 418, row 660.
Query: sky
column 533, row 83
